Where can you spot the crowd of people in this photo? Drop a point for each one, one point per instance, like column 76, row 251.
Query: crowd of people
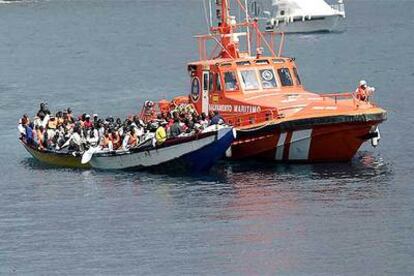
column 64, row 131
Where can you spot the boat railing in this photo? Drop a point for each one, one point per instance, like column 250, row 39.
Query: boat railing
column 338, row 96
column 346, row 96
column 268, row 39
column 252, row 118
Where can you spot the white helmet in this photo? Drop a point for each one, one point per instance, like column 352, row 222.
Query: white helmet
column 362, row 82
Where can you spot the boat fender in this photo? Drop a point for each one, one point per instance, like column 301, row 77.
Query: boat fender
column 234, row 133
column 377, row 137
column 229, row 152
column 153, row 142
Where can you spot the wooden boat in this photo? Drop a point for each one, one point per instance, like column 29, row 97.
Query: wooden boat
column 54, row 158
column 261, row 94
column 193, row 153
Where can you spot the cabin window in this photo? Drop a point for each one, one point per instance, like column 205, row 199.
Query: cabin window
column 242, row 63
column 205, row 82
column 230, row 81
column 249, row 78
column 285, row 77
column 278, row 60
column 210, row 82
column 218, row 82
column 267, row 76
column 298, row 82
column 195, row 89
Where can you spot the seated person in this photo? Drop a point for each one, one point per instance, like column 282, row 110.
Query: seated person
column 216, row 119
column 175, row 129
column 106, row 142
column 130, row 140
column 87, row 123
column 161, row 134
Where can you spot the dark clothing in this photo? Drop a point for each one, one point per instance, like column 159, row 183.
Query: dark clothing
column 216, row 120
column 190, row 125
column 44, row 110
column 41, row 114
column 175, row 130
column 29, row 135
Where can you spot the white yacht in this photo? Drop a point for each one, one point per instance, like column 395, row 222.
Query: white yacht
column 305, row 16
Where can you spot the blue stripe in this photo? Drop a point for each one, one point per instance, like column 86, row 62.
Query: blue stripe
column 204, row 158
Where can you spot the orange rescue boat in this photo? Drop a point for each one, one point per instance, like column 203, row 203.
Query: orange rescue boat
column 263, row 97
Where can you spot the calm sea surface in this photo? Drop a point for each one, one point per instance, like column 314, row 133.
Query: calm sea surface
column 241, row 218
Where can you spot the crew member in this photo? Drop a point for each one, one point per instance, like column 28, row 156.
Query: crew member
column 363, row 92
column 149, row 112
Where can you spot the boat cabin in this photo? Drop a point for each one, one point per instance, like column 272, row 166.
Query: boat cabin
column 232, row 86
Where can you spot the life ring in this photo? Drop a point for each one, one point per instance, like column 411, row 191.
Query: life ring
column 180, row 100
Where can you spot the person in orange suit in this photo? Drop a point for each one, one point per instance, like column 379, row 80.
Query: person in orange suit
column 363, row 92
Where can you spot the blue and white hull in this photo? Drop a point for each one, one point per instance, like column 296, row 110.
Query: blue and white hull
column 195, row 153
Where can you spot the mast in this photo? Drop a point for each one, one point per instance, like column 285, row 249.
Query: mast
column 226, row 36
column 249, row 51
column 225, row 28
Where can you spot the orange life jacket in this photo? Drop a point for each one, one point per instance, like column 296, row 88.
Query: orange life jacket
column 105, row 141
column 132, row 141
column 52, row 124
column 70, row 118
column 60, row 121
column 116, row 141
column 362, row 94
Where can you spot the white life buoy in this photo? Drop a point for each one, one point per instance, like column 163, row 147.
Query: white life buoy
column 375, row 140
